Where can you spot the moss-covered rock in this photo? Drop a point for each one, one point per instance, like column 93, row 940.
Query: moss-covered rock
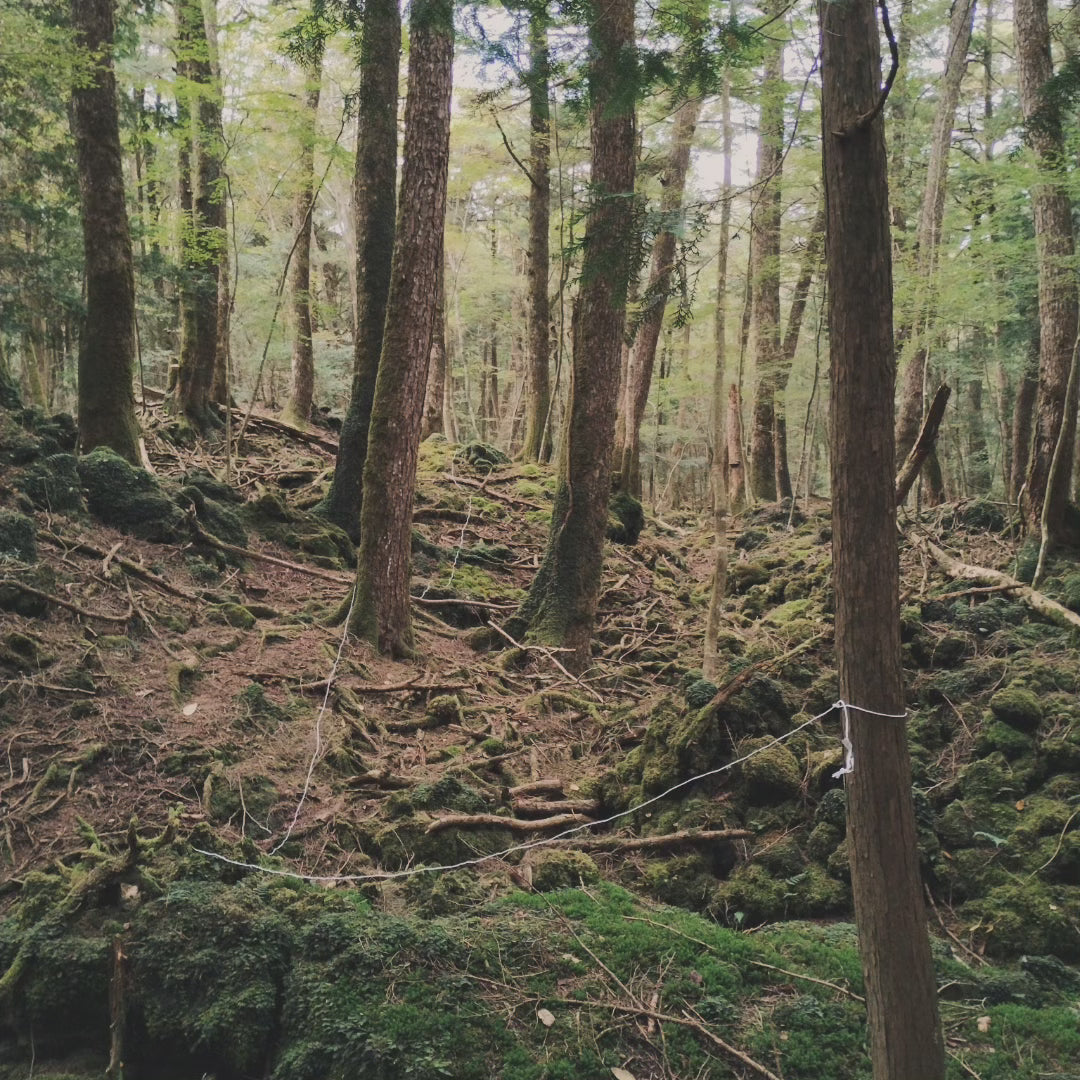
column 772, row 775
column 700, row 692
column 684, row 880
column 52, row 484
column 759, row 896
column 443, row 709
column 18, row 537
column 235, row 615
column 130, row 499
column 1017, row 706
column 1027, row 917
column 214, row 516
column 482, row 456
column 552, row 870
column 999, row 736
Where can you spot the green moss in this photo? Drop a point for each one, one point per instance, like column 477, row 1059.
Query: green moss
column 18, row 537
column 1026, row 917
column 553, row 870
column 482, row 456
column 52, row 484
column 1018, row 706
column 685, row 881
column 700, row 692
column 627, row 519
column 1005, row 738
column 216, row 517
column 987, row 778
column 743, row 575
column 234, row 615
column 761, row 897
column 449, row 792
column 258, row 710
column 22, row 653
column 442, row 710
column 772, row 775
column 130, row 499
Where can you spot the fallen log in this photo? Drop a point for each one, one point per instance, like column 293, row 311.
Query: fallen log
column 493, row 821
column 559, row 806
column 1037, row 601
column 923, row 444
column 654, row 843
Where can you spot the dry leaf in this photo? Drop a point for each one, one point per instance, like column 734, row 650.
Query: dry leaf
column 144, row 693
column 545, row 1016
column 1020, row 804
column 190, row 710
column 622, row 1074
column 983, row 1024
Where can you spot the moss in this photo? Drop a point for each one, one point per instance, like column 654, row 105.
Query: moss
column 130, row 499
column 52, row 484
column 700, row 692
column 823, row 840
column 22, row 653
column 1018, row 706
column 1005, row 738
column 1026, row 917
column 18, row 537
column 215, row 517
column 553, row 870
column 743, row 575
column 1043, row 817
column 627, row 519
column 1027, row 560
column 442, row 710
column 257, row 710
column 482, row 456
column 685, row 881
column 234, row 615
column 449, row 792
column 761, row 897
column 772, row 775
column 987, row 778
column 247, row 801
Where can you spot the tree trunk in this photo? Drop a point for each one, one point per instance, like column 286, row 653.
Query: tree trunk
column 928, row 236
column 302, row 368
column 381, row 613
column 537, row 445
column 202, row 217
column 435, row 398
column 1054, row 415
column 220, row 391
column 1022, row 423
column 374, row 195
column 560, row 609
column 642, row 354
column 765, row 266
column 899, row 123
column 810, row 262
column 107, row 342
column 736, row 484
column 901, row 993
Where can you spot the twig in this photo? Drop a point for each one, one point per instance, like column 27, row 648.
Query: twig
column 485, row 821
column 549, row 654
column 810, row 978
column 31, row 591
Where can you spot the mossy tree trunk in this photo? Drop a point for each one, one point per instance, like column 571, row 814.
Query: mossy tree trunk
column 642, row 355
column 765, row 261
column 436, row 396
column 381, row 612
column 107, row 342
column 560, row 609
column 302, row 367
column 1055, row 415
column 202, row 216
column 374, row 199
column 894, row 943
column 537, row 445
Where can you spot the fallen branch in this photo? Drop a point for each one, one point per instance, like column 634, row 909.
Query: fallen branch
column 549, row 653
column 381, row 780
column 450, row 601
column 653, row 843
column 537, row 787
column 924, row 444
column 67, row 604
column 493, row 821
column 305, row 685
column 811, row 979
column 726, row 692
column 1037, row 601
column 247, row 553
column 560, row 806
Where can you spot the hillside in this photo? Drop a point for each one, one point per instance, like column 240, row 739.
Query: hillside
column 222, row 820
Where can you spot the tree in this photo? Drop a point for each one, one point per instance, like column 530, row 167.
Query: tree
column 537, row 445
column 302, row 368
column 901, row 993
column 560, row 608
column 642, row 354
column 107, row 343
column 202, row 216
column 374, row 199
column 765, row 264
column 1055, row 409
column 381, row 611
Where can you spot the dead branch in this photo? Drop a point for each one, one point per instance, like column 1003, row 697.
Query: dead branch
column 810, row 978
column 561, row 806
column 1037, row 601
column 654, row 843
column 489, row 821
column 247, row 553
column 725, row 693
column 536, row 787
column 923, row 444
column 67, row 604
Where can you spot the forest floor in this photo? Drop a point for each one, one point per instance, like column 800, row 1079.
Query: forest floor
column 189, row 738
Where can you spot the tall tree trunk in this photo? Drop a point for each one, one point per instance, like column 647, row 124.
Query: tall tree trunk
column 810, row 261
column 978, row 456
column 202, row 216
column 537, row 445
column 765, row 263
column 436, row 395
column 374, row 195
column 220, row 391
column 928, row 237
column 107, row 342
column 735, row 464
column 561, row 606
column 381, row 612
column 1023, row 422
column 899, row 124
column 302, row 367
column 642, row 354
column 1055, row 416
column 901, row 993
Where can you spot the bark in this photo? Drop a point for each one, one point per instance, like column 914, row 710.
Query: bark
column 435, row 398
column 642, row 354
column 978, row 455
column 381, row 613
column 302, row 366
column 537, row 445
column 560, row 609
column 924, row 444
column 810, row 262
column 905, row 1036
column 1055, row 414
column 765, row 267
column 220, row 391
column 899, row 110
column 928, row 236
column 736, row 484
column 1023, row 423
column 202, row 227
column 107, row 342
column 374, row 196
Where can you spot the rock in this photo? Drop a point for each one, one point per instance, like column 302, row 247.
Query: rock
column 442, row 710
column 1018, row 706
column 626, row 519
column 17, row 537
column 552, row 870
column 772, row 775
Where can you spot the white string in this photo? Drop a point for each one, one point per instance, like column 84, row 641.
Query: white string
column 528, row 846
column 317, row 752
column 849, row 750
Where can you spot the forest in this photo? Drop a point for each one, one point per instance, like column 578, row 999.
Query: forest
column 539, row 541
